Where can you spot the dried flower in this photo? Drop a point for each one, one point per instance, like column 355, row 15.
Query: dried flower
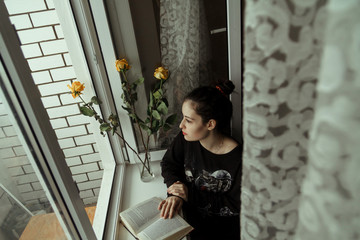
column 161, row 73
column 157, row 110
column 122, row 65
column 76, row 88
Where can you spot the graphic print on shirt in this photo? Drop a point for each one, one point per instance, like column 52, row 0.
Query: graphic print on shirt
column 218, row 181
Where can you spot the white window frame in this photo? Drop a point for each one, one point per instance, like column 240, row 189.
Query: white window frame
column 87, row 62
column 234, row 24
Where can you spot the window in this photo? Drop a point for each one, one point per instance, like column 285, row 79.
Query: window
column 85, row 51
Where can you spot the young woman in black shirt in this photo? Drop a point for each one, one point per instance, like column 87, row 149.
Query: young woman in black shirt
column 202, row 167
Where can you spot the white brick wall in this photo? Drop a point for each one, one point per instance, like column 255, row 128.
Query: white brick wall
column 31, row 50
column 9, row 131
column 47, row 62
column 44, row 18
column 70, row 132
column 15, row 171
column 54, row 88
column 21, row 6
column 87, row 139
column 76, row 151
column 45, row 49
column 73, row 161
column 84, row 168
column 52, row 101
column 21, row 21
column 63, row 74
column 58, row 123
column 95, row 175
column 36, row 35
column 80, row 178
column 53, row 47
column 7, row 153
column 89, row 185
column 66, row 143
column 19, row 151
column 95, row 157
column 41, row 77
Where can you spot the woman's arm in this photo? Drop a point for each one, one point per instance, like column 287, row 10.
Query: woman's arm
column 172, row 169
column 172, row 164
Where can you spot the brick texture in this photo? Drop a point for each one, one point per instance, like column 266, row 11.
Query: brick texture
column 44, row 47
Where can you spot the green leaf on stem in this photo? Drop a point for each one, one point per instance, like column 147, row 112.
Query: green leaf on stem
column 105, row 127
column 144, row 126
column 156, row 115
column 151, row 102
column 96, row 100
column 87, row 111
column 158, row 94
column 139, row 81
column 133, row 116
column 162, row 108
column 126, row 108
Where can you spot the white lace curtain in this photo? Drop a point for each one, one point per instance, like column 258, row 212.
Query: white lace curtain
column 185, row 48
column 301, row 106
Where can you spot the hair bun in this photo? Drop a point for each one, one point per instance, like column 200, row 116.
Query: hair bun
column 226, row 86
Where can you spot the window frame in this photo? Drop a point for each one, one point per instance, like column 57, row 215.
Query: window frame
column 234, row 26
column 95, row 56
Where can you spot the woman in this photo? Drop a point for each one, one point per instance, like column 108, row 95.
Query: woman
column 202, row 167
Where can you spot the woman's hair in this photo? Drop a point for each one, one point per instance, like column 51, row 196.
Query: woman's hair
column 212, row 102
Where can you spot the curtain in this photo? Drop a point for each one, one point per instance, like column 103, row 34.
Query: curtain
column 330, row 202
column 185, row 50
column 301, row 120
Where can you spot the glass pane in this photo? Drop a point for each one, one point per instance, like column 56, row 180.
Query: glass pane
column 44, row 47
column 21, row 194
column 25, row 210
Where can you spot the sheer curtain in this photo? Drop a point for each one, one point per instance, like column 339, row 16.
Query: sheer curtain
column 185, row 49
column 301, row 120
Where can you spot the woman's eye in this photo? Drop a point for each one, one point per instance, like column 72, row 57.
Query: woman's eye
column 187, row 120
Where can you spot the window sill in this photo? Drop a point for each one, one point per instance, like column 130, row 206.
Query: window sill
column 136, row 191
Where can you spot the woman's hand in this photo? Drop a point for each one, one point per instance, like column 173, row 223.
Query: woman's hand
column 178, row 189
column 170, row 207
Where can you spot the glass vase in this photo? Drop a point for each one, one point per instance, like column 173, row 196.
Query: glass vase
column 146, row 172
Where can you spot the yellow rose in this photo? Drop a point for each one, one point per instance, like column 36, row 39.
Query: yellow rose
column 122, row 65
column 161, row 73
column 76, row 88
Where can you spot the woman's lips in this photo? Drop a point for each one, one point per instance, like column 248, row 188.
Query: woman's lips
column 184, row 133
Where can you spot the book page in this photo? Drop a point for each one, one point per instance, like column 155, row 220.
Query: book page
column 141, row 215
column 163, row 228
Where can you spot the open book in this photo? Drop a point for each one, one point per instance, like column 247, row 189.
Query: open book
column 144, row 222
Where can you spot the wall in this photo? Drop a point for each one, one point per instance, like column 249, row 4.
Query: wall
column 46, row 52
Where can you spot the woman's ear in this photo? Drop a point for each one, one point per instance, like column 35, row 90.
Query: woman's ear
column 211, row 124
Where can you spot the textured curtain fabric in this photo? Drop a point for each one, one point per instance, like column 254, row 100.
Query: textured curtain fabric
column 301, row 120
column 330, row 202
column 185, row 49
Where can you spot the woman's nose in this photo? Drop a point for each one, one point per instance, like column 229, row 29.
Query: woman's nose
column 181, row 124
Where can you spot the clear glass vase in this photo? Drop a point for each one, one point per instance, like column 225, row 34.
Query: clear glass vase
column 146, row 172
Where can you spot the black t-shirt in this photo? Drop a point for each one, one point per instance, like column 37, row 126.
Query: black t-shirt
column 213, row 180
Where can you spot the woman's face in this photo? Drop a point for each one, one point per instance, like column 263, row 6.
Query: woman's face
column 192, row 125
